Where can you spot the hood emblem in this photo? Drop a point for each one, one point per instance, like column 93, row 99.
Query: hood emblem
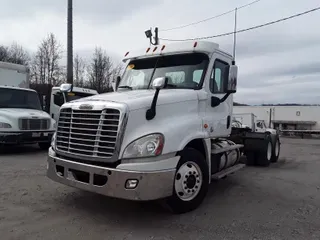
column 86, row 107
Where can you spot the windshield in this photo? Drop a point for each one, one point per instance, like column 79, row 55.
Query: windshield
column 59, row 100
column 183, row 71
column 74, row 96
column 15, row 98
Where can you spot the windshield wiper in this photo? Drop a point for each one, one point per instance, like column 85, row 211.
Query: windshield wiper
column 171, row 85
column 127, row 87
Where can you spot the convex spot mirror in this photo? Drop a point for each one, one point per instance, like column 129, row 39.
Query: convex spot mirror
column 66, row 87
column 159, row 83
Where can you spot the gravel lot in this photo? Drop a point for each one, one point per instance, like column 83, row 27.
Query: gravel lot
column 279, row 202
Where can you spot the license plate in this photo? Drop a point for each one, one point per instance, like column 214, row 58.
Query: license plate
column 36, row 134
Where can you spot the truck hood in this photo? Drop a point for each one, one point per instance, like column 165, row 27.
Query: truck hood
column 22, row 113
column 137, row 99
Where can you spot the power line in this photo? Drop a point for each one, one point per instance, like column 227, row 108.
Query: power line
column 243, row 30
column 210, row 18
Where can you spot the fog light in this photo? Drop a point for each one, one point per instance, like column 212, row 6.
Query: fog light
column 131, row 183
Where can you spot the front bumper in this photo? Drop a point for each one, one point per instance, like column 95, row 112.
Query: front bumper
column 25, row 137
column 151, row 185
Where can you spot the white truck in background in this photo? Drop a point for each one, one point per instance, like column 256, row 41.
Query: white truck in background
column 249, row 120
column 165, row 132
column 22, row 120
column 58, row 98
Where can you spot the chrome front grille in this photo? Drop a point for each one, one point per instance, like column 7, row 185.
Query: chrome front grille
column 91, row 133
column 34, row 124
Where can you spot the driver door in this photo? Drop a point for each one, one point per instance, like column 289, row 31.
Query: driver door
column 219, row 117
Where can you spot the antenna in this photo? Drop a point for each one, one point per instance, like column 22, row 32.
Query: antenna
column 235, row 36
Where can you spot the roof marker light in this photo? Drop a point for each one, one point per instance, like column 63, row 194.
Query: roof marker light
column 148, row 49
column 195, row 44
column 163, row 47
column 155, row 49
column 126, row 54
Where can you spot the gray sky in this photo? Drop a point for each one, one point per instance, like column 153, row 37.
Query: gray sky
column 278, row 63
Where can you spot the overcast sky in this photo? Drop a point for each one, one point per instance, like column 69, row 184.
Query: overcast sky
column 278, row 63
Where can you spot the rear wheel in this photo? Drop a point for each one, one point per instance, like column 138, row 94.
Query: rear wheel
column 276, row 150
column 190, row 183
column 265, row 155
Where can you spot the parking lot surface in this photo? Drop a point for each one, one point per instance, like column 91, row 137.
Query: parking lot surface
column 278, row 202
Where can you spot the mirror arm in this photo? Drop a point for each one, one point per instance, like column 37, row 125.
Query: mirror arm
column 224, row 97
column 151, row 112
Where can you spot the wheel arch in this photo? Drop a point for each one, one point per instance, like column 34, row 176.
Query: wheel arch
column 204, row 147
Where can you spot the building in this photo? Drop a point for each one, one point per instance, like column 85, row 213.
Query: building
column 285, row 117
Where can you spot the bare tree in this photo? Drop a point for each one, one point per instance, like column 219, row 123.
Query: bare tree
column 14, row 54
column 100, row 71
column 79, row 67
column 45, row 65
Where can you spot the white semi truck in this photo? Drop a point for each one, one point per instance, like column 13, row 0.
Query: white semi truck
column 58, row 98
column 163, row 135
column 22, row 120
column 250, row 120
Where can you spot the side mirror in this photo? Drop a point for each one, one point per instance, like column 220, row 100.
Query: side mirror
column 118, row 79
column 231, row 86
column 115, row 84
column 66, row 87
column 159, row 83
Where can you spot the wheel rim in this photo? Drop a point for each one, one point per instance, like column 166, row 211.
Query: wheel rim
column 269, row 151
column 188, row 181
column 277, row 148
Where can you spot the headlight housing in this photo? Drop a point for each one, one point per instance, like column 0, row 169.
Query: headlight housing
column 147, row 146
column 5, row 125
column 53, row 141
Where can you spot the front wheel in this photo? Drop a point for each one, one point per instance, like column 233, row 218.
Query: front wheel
column 190, row 183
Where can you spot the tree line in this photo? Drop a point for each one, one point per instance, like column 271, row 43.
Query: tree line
column 46, row 68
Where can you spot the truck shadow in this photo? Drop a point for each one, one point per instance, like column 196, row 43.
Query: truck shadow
column 18, row 150
column 140, row 214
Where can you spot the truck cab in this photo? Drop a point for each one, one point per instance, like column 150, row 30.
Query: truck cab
column 22, row 119
column 57, row 99
column 162, row 135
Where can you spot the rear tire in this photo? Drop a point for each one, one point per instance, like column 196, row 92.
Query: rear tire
column 276, row 150
column 251, row 158
column 265, row 155
column 190, row 184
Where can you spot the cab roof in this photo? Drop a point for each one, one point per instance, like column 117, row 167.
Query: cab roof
column 17, row 88
column 80, row 90
column 173, row 48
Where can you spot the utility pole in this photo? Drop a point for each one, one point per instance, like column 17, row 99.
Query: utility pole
column 70, row 45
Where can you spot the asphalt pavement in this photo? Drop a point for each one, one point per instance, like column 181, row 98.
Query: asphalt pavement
column 278, row 202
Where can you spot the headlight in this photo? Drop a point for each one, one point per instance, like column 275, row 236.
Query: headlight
column 53, row 140
column 147, row 146
column 5, row 125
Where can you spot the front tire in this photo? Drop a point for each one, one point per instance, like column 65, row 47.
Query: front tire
column 190, row 184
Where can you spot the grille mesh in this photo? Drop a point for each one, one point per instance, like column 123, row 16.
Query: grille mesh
column 88, row 132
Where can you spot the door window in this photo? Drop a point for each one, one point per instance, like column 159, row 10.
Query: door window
column 219, row 76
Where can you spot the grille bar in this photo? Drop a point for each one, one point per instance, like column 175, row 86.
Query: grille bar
column 89, row 133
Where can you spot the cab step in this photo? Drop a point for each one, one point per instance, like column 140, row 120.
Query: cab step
column 226, row 149
column 227, row 171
